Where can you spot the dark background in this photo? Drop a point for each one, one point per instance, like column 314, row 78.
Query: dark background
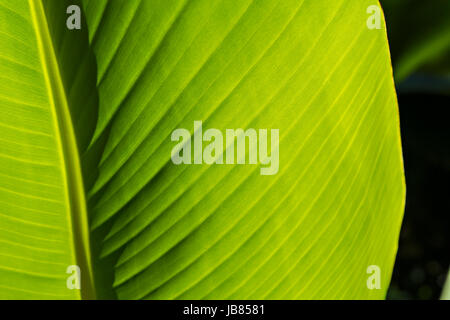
column 419, row 36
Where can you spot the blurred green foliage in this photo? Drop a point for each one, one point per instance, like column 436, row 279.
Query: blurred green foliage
column 419, row 34
column 446, row 292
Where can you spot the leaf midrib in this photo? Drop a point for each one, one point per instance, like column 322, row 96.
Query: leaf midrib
column 67, row 149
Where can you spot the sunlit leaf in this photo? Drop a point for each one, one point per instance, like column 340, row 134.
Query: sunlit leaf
column 313, row 70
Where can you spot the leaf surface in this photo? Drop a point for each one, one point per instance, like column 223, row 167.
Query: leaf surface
column 311, row 69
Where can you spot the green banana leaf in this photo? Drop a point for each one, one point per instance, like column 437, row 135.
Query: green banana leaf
column 47, row 117
column 86, row 120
